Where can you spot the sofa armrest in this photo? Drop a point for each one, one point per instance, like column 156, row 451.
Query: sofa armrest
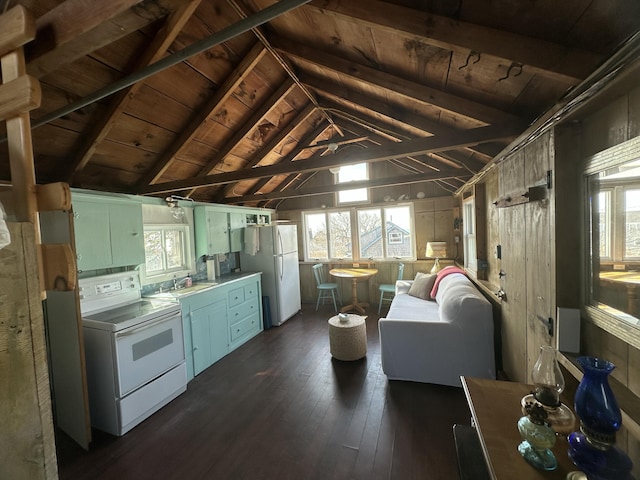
column 403, row 286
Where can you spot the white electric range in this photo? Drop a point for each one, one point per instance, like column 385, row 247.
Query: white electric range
column 134, row 351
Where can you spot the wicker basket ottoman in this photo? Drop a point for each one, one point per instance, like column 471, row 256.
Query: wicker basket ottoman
column 348, row 339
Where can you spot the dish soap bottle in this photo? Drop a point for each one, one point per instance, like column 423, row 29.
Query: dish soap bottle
column 188, row 282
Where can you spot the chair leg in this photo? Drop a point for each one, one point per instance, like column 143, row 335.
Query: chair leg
column 318, row 302
column 380, row 302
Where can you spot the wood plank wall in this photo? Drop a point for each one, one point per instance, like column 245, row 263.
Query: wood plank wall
column 27, row 445
column 542, row 244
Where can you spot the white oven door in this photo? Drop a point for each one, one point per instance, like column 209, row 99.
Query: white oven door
column 145, row 351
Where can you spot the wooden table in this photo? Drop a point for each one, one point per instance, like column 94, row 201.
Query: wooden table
column 495, row 408
column 354, row 274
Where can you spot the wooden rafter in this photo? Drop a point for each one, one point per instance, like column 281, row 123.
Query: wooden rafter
column 252, row 122
column 399, row 86
column 156, row 50
column 377, row 183
column 306, row 140
column 201, row 117
column 542, row 57
column 78, row 27
column 386, row 152
column 411, row 119
column 272, row 144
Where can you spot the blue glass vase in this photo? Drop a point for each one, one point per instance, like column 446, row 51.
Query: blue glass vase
column 593, row 449
column 595, row 404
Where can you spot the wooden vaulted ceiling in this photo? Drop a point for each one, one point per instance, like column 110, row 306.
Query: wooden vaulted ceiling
column 425, row 90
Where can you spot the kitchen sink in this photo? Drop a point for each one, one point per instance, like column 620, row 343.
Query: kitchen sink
column 198, row 287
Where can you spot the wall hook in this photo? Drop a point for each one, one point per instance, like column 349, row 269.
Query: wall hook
column 472, row 54
column 513, row 66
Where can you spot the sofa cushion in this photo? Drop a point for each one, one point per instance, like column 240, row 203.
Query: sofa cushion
column 422, row 285
column 460, row 300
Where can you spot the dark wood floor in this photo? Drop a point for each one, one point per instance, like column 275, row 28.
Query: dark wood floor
column 281, row 408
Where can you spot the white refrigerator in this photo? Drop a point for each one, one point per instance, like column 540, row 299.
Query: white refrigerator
column 273, row 250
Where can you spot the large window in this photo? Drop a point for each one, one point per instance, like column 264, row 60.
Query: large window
column 353, row 173
column 380, row 233
column 166, row 250
column 469, row 229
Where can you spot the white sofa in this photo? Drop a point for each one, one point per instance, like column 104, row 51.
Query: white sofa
column 438, row 341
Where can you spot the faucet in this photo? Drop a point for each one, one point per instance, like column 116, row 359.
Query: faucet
column 178, row 283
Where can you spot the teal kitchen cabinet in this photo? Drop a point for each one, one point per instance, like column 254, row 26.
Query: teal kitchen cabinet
column 212, row 231
column 237, row 222
column 108, row 233
column 218, row 320
column 209, row 335
column 245, row 313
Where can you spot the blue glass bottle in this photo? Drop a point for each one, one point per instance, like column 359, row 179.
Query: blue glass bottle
column 595, row 403
column 593, row 448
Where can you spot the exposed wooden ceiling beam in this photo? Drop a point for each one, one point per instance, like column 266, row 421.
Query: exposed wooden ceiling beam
column 542, row 57
column 258, row 116
column 453, row 158
column 78, row 27
column 399, row 86
column 386, row 152
column 201, row 116
column 268, row 147
column 156, row 50
column 401, row 115
column 306, row 140
column 377, row 183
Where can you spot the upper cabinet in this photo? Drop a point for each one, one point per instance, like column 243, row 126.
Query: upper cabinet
column 237, row 222
column 212, row 231
column 108, row 232
column 221, row 230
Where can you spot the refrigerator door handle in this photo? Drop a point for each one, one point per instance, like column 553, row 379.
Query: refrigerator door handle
column 281, row 254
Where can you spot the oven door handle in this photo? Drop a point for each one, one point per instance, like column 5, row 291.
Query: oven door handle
column 153, row 323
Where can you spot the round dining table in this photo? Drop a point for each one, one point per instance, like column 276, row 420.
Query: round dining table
column 354, row 274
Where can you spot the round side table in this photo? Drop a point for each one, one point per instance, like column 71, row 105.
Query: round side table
column 348, row 339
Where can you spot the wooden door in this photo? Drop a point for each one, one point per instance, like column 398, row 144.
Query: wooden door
column 512, row 270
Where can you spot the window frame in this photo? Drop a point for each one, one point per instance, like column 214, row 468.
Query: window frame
column 336, row 181
column 188, row 263
column 469, row 235
column 355, row 240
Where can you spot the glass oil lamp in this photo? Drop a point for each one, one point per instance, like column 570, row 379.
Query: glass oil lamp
column 548, row 385
column 537, row 438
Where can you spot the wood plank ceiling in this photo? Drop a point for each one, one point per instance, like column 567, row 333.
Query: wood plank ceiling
column 424, row 90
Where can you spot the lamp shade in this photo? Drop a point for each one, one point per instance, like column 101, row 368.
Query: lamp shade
column 436, row 249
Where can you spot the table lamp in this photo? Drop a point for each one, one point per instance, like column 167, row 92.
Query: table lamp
column 436, row 250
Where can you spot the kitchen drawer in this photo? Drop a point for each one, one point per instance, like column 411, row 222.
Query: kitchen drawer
column 244, row 310
column 251, row 291
column 244, row 327
column 236, row 297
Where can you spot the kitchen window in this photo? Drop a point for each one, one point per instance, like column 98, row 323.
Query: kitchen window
column 358, row 234
column 166, row 251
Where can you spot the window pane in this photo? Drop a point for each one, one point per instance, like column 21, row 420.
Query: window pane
column 339, row 235
column 316, row 235
column 351, row 173
column 632, row 224
column 604, row 209
column 398, row 227
column 370, row 233
column 153, row 250
column 174, row 247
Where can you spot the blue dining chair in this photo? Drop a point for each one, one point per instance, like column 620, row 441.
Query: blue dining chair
column 326, row 289
column 388, row 288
